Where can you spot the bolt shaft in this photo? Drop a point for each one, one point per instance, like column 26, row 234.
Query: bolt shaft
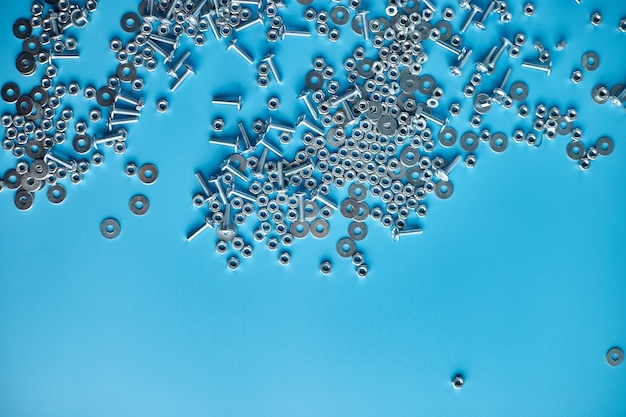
column 263, row 141
column 316, row 129
column 249, row 23
column 470, row 18
column 481, row 23
column 273, row 69
column 245, row 55
column 180, row 79
column 122, row 121
column 207, row 224
column 244, row 135
column 225, row 142
column 309, row 106
column 448, row 47
column 258, row 172
column 204, row 185
column 535, row 66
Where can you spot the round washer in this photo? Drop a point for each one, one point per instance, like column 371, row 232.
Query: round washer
column 35, row 149
column 357, row 191
column 22, row 28
column 340, row 15
column 110, row 228
column 81, row 144
column 299, row 229
column 619, row 356
column 605, row 140
column 361, row 68
column 25, row 63
column 12, row 173
column 357, row 226
column 575, row 145
column 31, row 45
column 387, row 125
column 346, row 253
column 319, row 228
column 314, row 80
column 447, row 131
column 56, row 194
column 24, row 105
column 563, row 130
column 126, row 72
column 139, row 205
column 449, row 189
column 363, row 211
column 39, row 95
column 105, row 96
column 503, row 142
column 24, row 200
column 432, row 84
column 10, row 92
column 518, row 85
column 409, row 156
column 469, row 141
column 130, row 22
column 145, row 168
column 594, row 58
column 409, row 82
column 446, row 33
column 39, row 169
column 349, row 208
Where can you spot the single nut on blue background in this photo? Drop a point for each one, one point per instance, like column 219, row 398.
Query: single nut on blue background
column 162, row 105
column 218, row 124
column 326, row 267
column 595, row 19
column 622, row 25
column 458, row 382
column 130, row 169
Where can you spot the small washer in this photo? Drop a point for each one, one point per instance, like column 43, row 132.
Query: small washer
column 12, row 174
column 22, row 28
column 409, row 156
column 361, row 68
column 10, row 92
column 469, row 141
column 31, row 45
column 591, row 61
column 340, row 15
column 25, row 63
column 24, row 105
column 144, row 170
column 357, row 191
column 498, row 142
column 139, row 205
column 563, row 130
column 130, row 22
column 441, row 193
column 56, row 194
column 432, row 84
column 319, row 228
column 81, row 144
column 24, row 200
column 299, row 229
column 126, row 72
column 387, row 125
column 110, row 228
column 615, row 356
column 346, row 253
column 604, row 151
column 349, row 208
column 39, row 95
column 314, row 80
column 518, row 85
column 409, row 82
column 447, row 132
column 359, row 227
column 105, row 96
column 578, row 146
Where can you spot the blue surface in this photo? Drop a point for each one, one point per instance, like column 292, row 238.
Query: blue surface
column 517, row 281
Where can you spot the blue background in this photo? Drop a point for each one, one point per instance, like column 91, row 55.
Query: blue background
column 517, row 281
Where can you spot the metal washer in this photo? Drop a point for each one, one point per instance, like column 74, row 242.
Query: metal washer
column 109, row 99
column 145, row 168
column 123, row 75
column 615, row 351
column 447, row 143
column 56, row 199
column 609, row 146
column 444, row 194
column 340, row 15
column 24, row 200
column 141, row 201
column 345, row 208
column 469, row 147
column 493, row 142
column 295, row 227
column 575, row 145
column 104, row 228
column 10, row 92
column 351, row 247
column 309, row 80
column 317, row 224
column 357, row 191
column 85, row 147
column 19, row 23
column 518, row 85
column 593, row 57
column 353, row 227
column 135, row 22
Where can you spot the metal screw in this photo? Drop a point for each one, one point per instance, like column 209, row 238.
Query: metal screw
column 470, row 17
column 188, row 70
column 366, row 30
column 259, row 19
column 258, row 172
column 316, row 195
column 124, row 112
column 482, row 66
column 300, row 196
column 121, row 121
column 225, row 142
column 505, row 44
column 498, row 92
column 396, row 233
column 220, row 190
column 302, row 121
column 228, row 102
column 212, row 24
column 228, row 167
column 208, row 223
column 532, row 65
column 271, row 124
column 69, row 165
column 281, row 178
column 54, row 55
column 304, row 96
column 456, row 70
column 242, row 194
column 480, row 24
column 168, row 56
column 244, row 136
column 443, row 173
column 420, row 112
column 137, row 102
column 169, row 41
column 204, row 185
column 173, row 71
column 284, row 32
column 119, row 136
column 262, row 140
column 349, row 95
column 450, row 48
column 429, row 4
column 269, row 58
column 245, row 55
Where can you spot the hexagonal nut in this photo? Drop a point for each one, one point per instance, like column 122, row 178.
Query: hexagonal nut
column 284, row 258
column 97, row 159
column 458, row 382
column 361, row 271
column 162, row 105
column 198, row 200
column 470, row 160
column 218, row 124
column 595, row 19
column 326, row 267
column 233, row 263
column 577, row 76
column 130, row 169
column 622, row 25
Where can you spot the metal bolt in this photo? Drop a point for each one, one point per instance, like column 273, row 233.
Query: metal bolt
column 258, row 172
column 137, row 102
column 350, row 95
column 212, row 24
column 505, row 44
column 316, row 195
column 480, row 24
column 124, row 112
column 366, row 25
column 228, row 167
column 208, row 223
column 429, row 4
column 269, row 58
column 456, row 70
column 220, row 190
column 470, row 17
column 420, row 112
column 450, row 48
column 173, row 71
column 299, row 168
column 188, row 70
column 284, row 32
column 302, row 121
column 532, row 65
column 69, row 165
column 443, row 173
column 228, row 102
column 119, row 136
column 300, row 196
column 204, row 185
column 262, row 140
column 244, row 136
column 242, row 194
column 157, row 48
column 163, row 39
column 482, row 66
column 619, row 97
column 281, row 178
column 259, row 19
column 225, row 142
column 53, row 55
column 498, row 92
column 121, row 121
column 396, row 233
column 271, row 124
column 245, row 55
column 304, row 96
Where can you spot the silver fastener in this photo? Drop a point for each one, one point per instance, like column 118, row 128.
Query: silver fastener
column 188, row 70
column 269, row 58
column 237, row 48
column 470, row 17
column 228, row 102
column 546, row 68
column 396, row 233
